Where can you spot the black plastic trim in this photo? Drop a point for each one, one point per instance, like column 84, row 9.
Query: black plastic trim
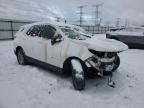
column 43, row 64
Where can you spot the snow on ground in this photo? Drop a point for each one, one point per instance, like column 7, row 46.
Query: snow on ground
column 34, row 87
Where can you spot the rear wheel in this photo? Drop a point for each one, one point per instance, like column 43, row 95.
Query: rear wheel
column 78, row 77
column 21, row 57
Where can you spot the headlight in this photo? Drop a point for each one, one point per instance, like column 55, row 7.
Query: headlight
column 90, row 62
column 100, row 54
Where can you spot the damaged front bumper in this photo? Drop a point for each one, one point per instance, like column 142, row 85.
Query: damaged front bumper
column 101, row 65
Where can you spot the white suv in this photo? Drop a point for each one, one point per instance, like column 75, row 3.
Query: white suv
column 68, row 49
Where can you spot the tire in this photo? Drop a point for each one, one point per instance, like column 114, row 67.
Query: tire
column 21, row 57
column 117, row 63
column 78, row 78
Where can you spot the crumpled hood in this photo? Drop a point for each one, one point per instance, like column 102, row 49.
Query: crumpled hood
column 103, row 45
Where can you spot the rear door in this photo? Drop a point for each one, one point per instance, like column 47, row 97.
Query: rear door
column 35, row 44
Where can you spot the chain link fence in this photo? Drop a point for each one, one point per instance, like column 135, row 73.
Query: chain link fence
column 9, row 27
column 96, row 29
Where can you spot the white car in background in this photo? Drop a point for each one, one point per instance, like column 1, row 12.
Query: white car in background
column 62, row 48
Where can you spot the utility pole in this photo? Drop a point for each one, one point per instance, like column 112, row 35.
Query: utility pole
column 81, row 14
column 126, row 23
column 107, row 24
column 100, row 21
column 65, row 21
column 118, row 23
column 97, row 12
column 134, row 23
column 58, row 19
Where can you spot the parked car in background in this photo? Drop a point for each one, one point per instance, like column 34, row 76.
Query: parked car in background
column 67, row 49
column 132, row 36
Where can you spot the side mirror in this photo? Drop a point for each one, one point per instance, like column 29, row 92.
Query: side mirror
column 56, row 39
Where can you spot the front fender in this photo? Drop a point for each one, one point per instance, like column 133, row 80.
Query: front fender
column 71, row 49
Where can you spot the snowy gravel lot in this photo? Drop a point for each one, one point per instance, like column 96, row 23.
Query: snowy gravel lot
column 33, row 87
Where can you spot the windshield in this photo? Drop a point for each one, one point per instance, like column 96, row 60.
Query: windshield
column 74, row 34
column 81, row 30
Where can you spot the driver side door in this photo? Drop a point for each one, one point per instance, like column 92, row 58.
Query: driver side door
column 52, row 51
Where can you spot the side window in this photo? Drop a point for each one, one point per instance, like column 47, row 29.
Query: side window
column 29, row 32
column 47, row 31
column 34, row 31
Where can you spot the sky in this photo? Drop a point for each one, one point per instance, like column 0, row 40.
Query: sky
column 127, row 10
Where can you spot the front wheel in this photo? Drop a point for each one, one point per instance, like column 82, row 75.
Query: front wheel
column 116, row 63
column 115, row 67
column 78, row 77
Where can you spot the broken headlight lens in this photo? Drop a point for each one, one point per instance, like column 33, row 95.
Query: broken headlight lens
column 99, row 54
